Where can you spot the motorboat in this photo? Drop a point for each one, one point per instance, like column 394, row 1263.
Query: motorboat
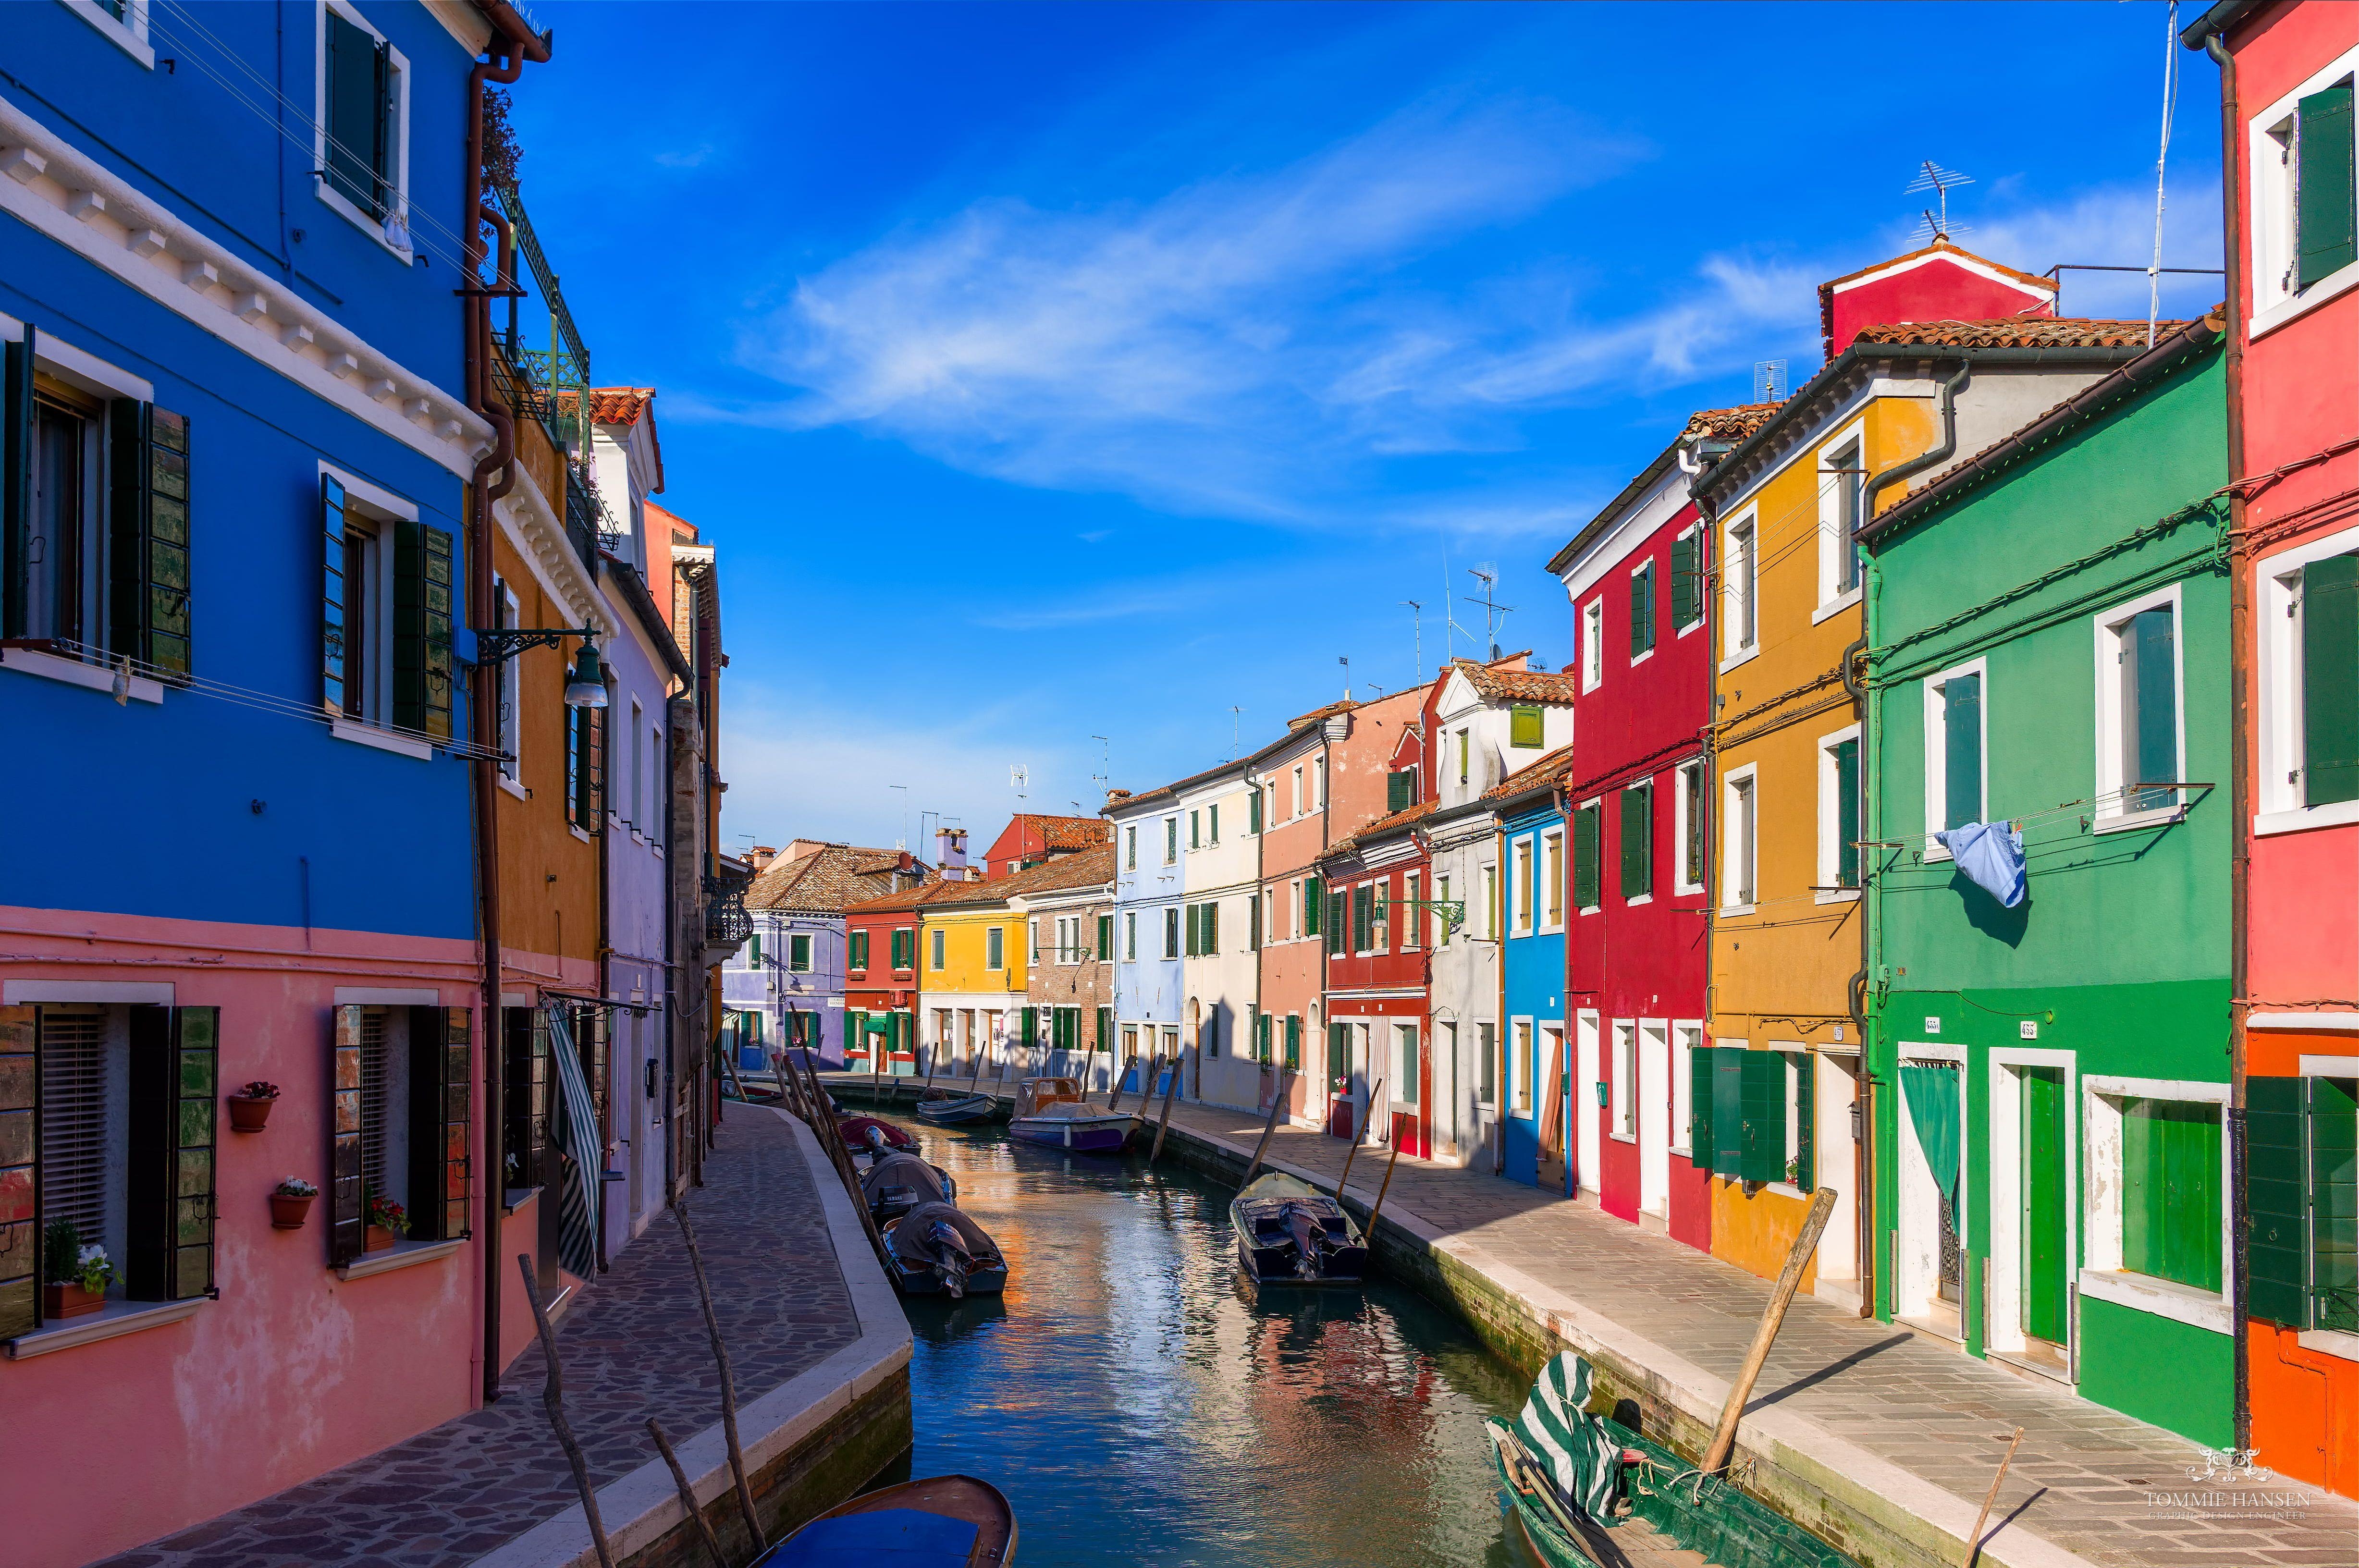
column 941, row 1521
column 897, row 1182
column 948, row 1107
column 936, row 1250
column 1051, row 1112
column 864, row 1135
column 1291, row 1233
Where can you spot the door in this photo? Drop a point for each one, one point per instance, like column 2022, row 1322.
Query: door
column 2045, row 1183
column 1653, row 1118
column 1581, row 1097
column 1519, row 1154
column 1549, row 1077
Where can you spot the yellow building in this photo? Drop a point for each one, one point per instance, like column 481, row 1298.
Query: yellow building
column 973, row 964
column 1894, row 406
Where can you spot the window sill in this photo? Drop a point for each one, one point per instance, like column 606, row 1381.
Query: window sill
column 2331, row 1342
column 2161, row 1297
column 360, row 220
column 1641, row 900
column 1835, row 607
column 1683, row 890
column 1835, row 896
column 1638, row 658
column 2130, row 821
column 74, row 672
column 2292, row 308
column 1691, row 627
column 514, row 1198
column 111, row 1319
column 1729, row 911
column 402, row 1255
column 122, row 37
column 1741, row 655
column 384, row 740
column 1629, row 1137
column 1936, row 853
column 2297, row 819
column 577, row 832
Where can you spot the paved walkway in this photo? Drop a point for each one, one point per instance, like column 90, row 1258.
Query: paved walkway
column 634, row 1345
column 2085, row 1479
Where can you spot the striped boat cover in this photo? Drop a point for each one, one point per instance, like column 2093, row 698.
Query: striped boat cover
column 573, row 1129
column 1582, row 1456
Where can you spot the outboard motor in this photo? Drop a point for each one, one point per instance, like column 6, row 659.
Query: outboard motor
column 952, row 1261
column 1309, row 1232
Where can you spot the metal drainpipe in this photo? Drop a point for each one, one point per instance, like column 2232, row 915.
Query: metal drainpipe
column 2240, row 638
column 1870, row 713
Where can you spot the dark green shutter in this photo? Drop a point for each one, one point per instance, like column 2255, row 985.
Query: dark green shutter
column 1253, row 923
column 1312, row 902
column 2334, row 1203
column 1683, row 580
column 2153, row 737
column 1253, row 810
column 1106, row 938
column 1962, row 750
column 2172, row 1198
column 1525, row 727
column 1637, row 842
column 2330, row 681
column 1847, row 812
column 1400, row 790
column 1104, row 1040
column 857, row 954
column 1700, row 1063
column 1728, row 1111
column 331, row 594
column 1805, row 1121
column 173, row 1082
column 345, row 1220
column 147, row 528
column 2325, row 240
column 1211, row 928
column 1293, row 1042
column 1764, row 1099
column 421, row 637
column 1642, row 610
column 2277, row 1195
column 1338, row 917
column 1031, row 1025
column 1364, row 918
column 20, row 1198
column 1585, row 854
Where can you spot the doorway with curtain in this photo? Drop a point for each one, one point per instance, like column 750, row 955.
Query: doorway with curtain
column 1928, row 1263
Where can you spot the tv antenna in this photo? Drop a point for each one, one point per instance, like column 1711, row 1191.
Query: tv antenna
column 1019, row 778
column 1416, row 634
column 1236, row 744
column 1493, row 612
column 903, row 842
column 1770, row 383
column 1931, row 175
column 1104, row 775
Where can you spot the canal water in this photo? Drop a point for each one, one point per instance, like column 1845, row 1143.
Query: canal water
column 1139, row 1402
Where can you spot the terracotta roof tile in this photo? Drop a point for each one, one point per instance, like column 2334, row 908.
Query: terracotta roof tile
column 1727, row 424
column 1383, row 827
column 825, row 880
column 1553, row 688
column 2018, row 331
column 1092, row 865
column 1543, row 772
column 1942, row 245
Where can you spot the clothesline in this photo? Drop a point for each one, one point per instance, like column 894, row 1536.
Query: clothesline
column 2178, row 789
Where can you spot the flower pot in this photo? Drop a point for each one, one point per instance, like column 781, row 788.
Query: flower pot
column 288, row 1213
column 69, row 1300
column 379, row 1239
column 248, row 1115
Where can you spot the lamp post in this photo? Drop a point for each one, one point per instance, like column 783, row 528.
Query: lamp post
column 586, row 687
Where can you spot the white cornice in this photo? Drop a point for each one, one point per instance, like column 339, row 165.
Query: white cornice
column 538, row 536
column 88, row 209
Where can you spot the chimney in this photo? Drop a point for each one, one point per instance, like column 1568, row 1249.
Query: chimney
column 760, row 857
column 949, row 852
column 803, row 846
column 1940, row 283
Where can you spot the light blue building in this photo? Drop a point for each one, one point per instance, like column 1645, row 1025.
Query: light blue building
column 1148, row 979
column 1536, row 1108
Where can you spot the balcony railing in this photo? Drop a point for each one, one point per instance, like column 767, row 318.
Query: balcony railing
column 726, row 921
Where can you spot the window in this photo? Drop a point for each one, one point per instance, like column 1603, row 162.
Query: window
column 1171, row 931
column 905, row 947
column 1552, row 878
column 1293, row 1062
column 799, row 953
column 1412, row 924
column 390, row 1134
column 585, row 748
column 2171, row 1190
column 1195, row 830
column 2304, row 238
column 1489, row 905
column 60, row 573
column 1740, row 1104
column 994, row 947
column 1442, row 914
column 938, row 944
column 1519, row 1069
column 2137, row 707
column 1843, row 478
column 1405, row 1064
column 1461, row 755
column 1262, row 1047
column 754, row 951
column 1301, row 801
column 1170, row 840
column 1642, row 612
column 1130, row 936
column 1738, row 590
column 1106, row 938
column 362, row 140
column 1526, row 727
column 1319, row 783
column 1839, row 805
column 1954, row 770
column 1637, row 825
column 1312, row 899
column 1737, row 873
column 1032, row 941
column 1687, row 579
column 1130, row 848
column 1623, row 1101
column 1685, row 1041
column 856, row 954
column 1593, row 644
column 1690, row 827
column 1364, row 918
column 1400, row 790
column 2304, row 1188
column 1212, row 822
column 342, row 637
column 1254, row 920
column 1486, row 1044
column 1254, row 810
column 125, row 22
column 1521, row 892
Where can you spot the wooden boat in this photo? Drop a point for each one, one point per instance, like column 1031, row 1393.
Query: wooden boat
column 946, row 1107
column 942, row 1521
column 898, row 1182
column 1051, row 1112
column 1291, row 1233
column 1566, row 1474
column 863, row 1133
column 937, row 1250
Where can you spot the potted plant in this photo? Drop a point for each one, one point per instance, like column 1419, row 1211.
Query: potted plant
column 388, row 1221
column 76, row 1273
column 249, row 1108
column 290, row 1203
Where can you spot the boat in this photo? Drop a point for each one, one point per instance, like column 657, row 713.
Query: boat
column 941, row 1521
column 936, row 1250
column 861, row 1133
column 898, row 1182
column 1051, row 1112
column 1291, row 1233
column 1566, row 1474
column 946, row 1107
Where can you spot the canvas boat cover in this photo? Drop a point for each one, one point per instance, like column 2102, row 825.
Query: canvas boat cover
column 921, row 1181
column 1581, row 1454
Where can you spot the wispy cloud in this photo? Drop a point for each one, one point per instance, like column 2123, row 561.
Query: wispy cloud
column 685, row 157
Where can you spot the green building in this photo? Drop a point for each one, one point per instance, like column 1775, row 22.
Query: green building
column 2048, row 629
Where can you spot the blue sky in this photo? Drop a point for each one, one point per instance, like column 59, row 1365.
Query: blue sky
column 1045, row 373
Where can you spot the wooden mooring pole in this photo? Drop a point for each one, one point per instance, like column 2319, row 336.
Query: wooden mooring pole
column 1382, row 1188
column 1974, row 1542
column 728, row 1381
column 686, row 1494
column 1358, row 1134
column 1165, row 1125
column 1114, row 1091
column 1270, row 1127
column 1798, row 1258
column 552, row 1399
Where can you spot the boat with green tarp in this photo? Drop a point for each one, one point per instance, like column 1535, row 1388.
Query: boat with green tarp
column 1566, row 1474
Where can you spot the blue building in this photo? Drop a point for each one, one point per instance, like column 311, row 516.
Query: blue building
column 239, row 449
column 1148, row 979
column 1536, row 1106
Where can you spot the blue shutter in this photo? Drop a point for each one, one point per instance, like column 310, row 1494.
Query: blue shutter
column 331, row 594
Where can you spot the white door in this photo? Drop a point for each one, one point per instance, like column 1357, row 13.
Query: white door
column 1588, row 1163
column 1654, row 1116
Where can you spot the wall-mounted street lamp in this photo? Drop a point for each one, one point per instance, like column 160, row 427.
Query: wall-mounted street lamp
column 587, row 686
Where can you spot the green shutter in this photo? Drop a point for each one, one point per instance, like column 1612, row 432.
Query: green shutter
column 1847, row 812
column 1293, row 1042
column 1764, row 1113
column 421, row 632
column 1311, row 906
column 1253, row 810
column 1585, row 854
column 1701, row 1062
column 1031, row 1025
column 2325, row 239
column 856, row 954
column 2330, row 681
column 1104, row 1040
column 1338, row 931
column 1253, row 923
column 1364, row 918
column 2334, row 1203
column 1962, row 749
column 1805, row 1121
column 456, row 1122
column 20, row 1200
column 331, row 594
column 1211, row 928
column 2172, row 1198
column 345, row 1220
column 2153, row 737
column 1400, row 790
column 147, row 527
column 1188, row 914
column 1684, row 597
column 2277, row 1195
column 1106, row 938
column 1728, row 1111
column 1642, row 610
column 1637, row 842
column 16, row 506
column 169, row 1166
column 1525, row 725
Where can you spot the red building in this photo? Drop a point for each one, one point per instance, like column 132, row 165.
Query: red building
column 1635, row 948
column 1379, row 935
column 880, row 978
column 2287, row 71
column 1032, row 839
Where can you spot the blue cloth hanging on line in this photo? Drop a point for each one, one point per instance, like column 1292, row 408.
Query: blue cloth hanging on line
column 1990, row 855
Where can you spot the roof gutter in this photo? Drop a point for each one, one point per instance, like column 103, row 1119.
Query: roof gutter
column 2215, row 22
column 1616, row 506
column 651, row 619
column 2148, row 366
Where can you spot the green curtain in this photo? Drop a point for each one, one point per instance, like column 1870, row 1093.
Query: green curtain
column 1932, row 1097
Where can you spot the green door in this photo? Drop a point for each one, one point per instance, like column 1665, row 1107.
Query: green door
column 2046, row 1182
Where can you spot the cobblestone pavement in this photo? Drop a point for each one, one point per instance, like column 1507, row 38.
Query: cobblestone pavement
column 634, row 1345
column 2084, row 1478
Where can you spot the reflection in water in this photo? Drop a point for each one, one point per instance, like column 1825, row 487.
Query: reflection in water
column 1140, row 1402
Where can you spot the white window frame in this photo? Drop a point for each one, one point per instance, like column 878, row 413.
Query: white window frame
column 1523, row 1043
column 129, row 34
column 1593, row 644
column 1552, row 879
column 1687, row 1039
column 2271, row 231
column 508, row 692
column 1522, row 850
column 1739, row 865
column 1830, row 816
column 940, row 946
column 810, row 950
column 1001, row 933
column 1695, row 531
column 1172, row 947
column 2004, row 1280
column 2107, row 629
column 1681, row 827
column 2279, row 807
column 1936, row 753
column 1172, row 840
column 1301, row 796
column 1732, row 653
column 2102, row 1276
column 1130, row 936
column 1488, row 872
column 1622, row 1114
column 398, row 175
column 1654, row 631
column 1830, row 601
